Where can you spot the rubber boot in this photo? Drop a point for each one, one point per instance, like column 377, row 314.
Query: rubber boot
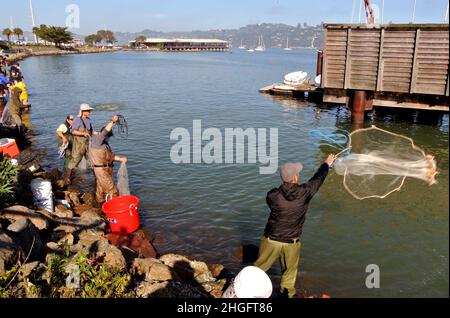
column 67, row 177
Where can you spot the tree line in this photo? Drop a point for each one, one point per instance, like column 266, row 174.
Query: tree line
column 99, row 37
column 10, row 32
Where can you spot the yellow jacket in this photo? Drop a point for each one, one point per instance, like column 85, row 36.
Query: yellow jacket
column 24, row 95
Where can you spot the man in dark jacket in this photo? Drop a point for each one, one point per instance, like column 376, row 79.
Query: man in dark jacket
column 288, row 206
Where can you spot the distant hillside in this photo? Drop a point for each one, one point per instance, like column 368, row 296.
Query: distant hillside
column 274, row 35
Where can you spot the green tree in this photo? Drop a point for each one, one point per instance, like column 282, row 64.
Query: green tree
column 18, row 32
column 140, row 39
column 93, row 39
column 107, row 36
column 35, row 31
column 7, row 32
column 53, row 34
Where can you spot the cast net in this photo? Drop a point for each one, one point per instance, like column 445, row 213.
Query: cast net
column 378, row 162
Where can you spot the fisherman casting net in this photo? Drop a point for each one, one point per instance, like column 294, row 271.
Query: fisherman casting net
column 377, row 163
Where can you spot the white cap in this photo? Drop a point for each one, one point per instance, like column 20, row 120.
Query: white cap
column 85, row 107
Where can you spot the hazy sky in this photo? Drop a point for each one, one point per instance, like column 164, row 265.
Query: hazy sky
column 186, row 15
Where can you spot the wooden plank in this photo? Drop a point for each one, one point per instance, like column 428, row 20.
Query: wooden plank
column 347, row 60
column 324, row 81
column 429, row 70
column 414, row 65
column 335, row 99
column 432, row 82
column 399, row 55
column 388, row 103
column 403, row 50
column 432, row 76
column 433, row 63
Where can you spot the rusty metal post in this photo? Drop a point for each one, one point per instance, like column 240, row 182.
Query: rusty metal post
column 319, row 62
column 358, row 107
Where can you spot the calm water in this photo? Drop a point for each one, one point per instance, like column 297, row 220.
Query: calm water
column 209, row 211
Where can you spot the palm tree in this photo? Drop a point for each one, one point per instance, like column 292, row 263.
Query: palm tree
column 18, row 32
column 7, row 32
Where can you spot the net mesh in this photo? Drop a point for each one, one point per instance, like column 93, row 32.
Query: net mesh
column 377, row 163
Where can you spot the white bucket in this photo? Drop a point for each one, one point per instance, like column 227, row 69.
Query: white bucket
column 251, row 282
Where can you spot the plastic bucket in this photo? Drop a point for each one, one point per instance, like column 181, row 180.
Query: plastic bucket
column 251, row 282
column 122, row 214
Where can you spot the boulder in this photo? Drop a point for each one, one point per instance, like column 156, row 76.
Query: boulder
column 63, row 212
column 214, row 288
column 169, row 289
column 73, row 197
column 134, row 242
column 26, row 235
column 216, row 270
column 152, row 269
column 87, row 237
column 188, row 269
column 9, row 252
column 19, row 212
column 28, row 268
column 88, row 198
column 110, row 254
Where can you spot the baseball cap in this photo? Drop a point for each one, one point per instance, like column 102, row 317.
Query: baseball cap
column 289, row 170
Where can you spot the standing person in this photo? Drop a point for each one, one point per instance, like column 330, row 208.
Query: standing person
column 25, row 114
column 102, row 159
column 65, row 137
column 3, row 65
column 81, row 131
column 16, row 107
column 288, row 206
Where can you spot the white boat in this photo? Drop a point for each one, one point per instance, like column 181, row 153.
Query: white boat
column 296, row 78
column 250, row 50
column 242, row 46
column 261, row 47
column 287, row 48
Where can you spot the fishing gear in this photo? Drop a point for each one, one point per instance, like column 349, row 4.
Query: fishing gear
column 122, row 127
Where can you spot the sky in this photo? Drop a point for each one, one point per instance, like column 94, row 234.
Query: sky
column 188, row 15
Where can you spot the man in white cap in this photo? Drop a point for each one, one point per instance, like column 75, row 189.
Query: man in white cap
column 81, row 131
column 288, row 206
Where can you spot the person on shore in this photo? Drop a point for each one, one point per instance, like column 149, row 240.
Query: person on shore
column 81, row 132
column 102, row 159
column 16, row 106
column 65, row 138
column 4, row 93
column 288, row 206
column 3, row 66
column 25, row 114
column 14, row 72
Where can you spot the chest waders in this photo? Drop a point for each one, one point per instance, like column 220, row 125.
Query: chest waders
column 102, row 162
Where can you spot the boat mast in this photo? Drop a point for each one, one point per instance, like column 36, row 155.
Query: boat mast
column 33, row 22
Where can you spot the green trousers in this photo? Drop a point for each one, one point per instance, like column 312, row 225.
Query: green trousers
column 289, row 256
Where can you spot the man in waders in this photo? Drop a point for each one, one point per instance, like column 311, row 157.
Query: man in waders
column 81, row 131
column 65, row 138
column 102, row 159
column 288, row 206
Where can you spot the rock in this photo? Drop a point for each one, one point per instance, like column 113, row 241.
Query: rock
column 66, row 228
column 63, row 212
column 187, row 269
column 88, row 237
column 26, row 235
column 215, row 288
column 28, row 268
column 88, row 198
column 152, row 269
column 134, row 242
column 111, row 255
column 169, row 289
column 9, row 252
column 80, row 209
column 73, row 196
column 19, row 212
column 216, row 270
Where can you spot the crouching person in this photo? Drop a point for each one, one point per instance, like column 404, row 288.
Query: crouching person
column 102, row 159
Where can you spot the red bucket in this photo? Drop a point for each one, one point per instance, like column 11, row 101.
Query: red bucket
column 122, row 214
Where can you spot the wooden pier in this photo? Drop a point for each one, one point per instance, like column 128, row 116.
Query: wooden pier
column 365, row 66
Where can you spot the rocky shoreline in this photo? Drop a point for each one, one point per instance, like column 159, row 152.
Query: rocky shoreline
column 71, row 252
column 49, row 51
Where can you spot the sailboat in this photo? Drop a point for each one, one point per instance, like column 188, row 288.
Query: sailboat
column 242, row 46
column 287, row 48
column 261, row 46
